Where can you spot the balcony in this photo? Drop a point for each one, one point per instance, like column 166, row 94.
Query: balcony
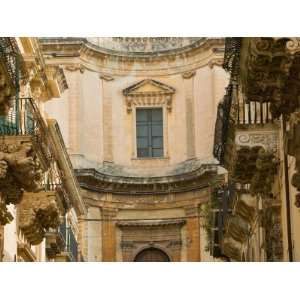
column 221, row 209
column 24, row 151
column 10, row 63
column 69, row 251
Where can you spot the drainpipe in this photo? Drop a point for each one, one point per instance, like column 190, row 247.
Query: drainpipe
column 287, row 193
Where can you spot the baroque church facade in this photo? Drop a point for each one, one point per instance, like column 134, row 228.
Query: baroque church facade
column 149, row 149
column 138, row 120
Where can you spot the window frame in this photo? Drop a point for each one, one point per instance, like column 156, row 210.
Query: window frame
column 164, row 129
column 149, row 123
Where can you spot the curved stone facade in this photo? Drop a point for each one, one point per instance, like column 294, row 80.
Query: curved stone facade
column 109, row 80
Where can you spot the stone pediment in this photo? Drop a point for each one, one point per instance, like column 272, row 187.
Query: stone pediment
column 148, row 86
column 148, row 92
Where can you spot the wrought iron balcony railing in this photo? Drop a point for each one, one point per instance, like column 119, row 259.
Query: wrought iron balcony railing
column 223, row 198
column 9, row 54
column 71, row 245
column 23, row 118
column 67, row 241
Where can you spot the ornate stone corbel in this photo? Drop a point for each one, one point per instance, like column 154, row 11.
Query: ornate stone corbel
column 231, row 249
column 237, row 229
column 24, row 170
column 38, row 213
column 245, row 210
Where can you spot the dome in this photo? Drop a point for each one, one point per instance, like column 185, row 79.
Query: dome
column 145, row 45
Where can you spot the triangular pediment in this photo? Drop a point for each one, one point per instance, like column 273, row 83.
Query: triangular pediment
column 148, row 86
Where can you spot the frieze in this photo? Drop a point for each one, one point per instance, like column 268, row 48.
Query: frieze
column 268, row 140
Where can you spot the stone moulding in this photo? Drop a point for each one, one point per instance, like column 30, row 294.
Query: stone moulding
column 202, row 53
column 93, row 180
column 151, row 223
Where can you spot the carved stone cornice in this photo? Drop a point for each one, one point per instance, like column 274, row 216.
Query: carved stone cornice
column 38, row 213
column 151, row 223
column 96, row 181
column 114, row 63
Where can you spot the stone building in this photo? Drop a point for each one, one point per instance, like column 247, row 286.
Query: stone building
column 138, row 122
column 257, row 141
column 40, row 200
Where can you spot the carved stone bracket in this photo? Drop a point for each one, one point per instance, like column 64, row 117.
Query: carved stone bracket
column 245, row 207
column 272, row 68
column 237, row 228
column 19, row 169
column 231, row 248
column 38, row 213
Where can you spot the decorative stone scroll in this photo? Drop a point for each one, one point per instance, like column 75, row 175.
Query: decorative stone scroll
column 266, row 139
column 148, row 92
column 38, row 213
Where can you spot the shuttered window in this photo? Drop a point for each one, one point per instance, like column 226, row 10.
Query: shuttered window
column 149, row 132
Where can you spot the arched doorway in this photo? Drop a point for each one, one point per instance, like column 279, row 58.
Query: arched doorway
column 152, row 254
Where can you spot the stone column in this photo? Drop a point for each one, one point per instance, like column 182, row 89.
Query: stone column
column 107, row 122
column 108, row 234
column 188, row 82
column 192, row 233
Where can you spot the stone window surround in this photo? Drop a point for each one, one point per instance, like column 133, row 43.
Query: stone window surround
column 165, row 131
